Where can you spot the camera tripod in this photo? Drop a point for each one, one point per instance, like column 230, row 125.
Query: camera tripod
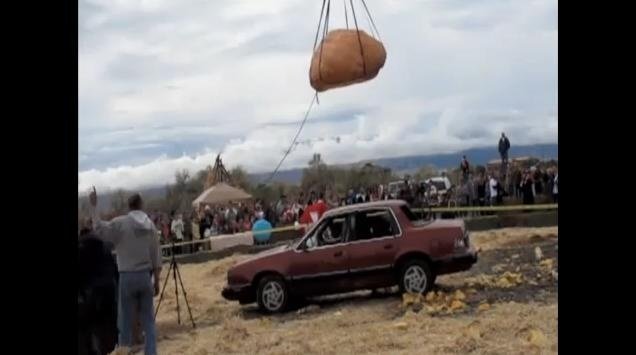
column 174, row 267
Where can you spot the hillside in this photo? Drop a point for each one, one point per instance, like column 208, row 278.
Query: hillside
column 477, row 156
column 400, row 165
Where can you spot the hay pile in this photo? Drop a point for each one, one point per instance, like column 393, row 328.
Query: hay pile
column 506, row 280
column 504, row 329
column 436, row 303
column 510, row 237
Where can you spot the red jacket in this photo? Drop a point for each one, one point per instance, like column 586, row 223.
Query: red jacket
column 317, row 210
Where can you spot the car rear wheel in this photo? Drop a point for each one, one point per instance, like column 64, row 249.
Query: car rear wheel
column 272, row 294
column 416, row 277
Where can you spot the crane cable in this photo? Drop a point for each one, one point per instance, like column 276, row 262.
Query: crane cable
column 291, row 146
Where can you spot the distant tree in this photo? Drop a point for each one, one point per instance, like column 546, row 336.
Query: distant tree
column 426, row 172
column 367, row 176
column 173, row 199
column 533, row 161
column 195, row 184
column 239, row 178
column 454, row 176
column 156, row 204
column 320, row 177
column 179, row 196
column 480, row 170
column 293, row 191
column 201, row 176
column 118, row 202
column 181, row 179
column 265, row 193
column 317, row 177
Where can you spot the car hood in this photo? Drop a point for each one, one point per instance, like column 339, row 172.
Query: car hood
column 265, row 254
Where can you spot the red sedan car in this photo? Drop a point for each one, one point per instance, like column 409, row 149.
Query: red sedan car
column 362, row 246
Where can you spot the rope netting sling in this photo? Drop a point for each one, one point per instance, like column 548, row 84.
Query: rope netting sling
column 333, row 64
column 344, row 56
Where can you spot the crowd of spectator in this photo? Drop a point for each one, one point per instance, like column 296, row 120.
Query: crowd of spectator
column 476, row 187
column 481, row 189
column 485, row 188
column 231, row 218
column 524, row 184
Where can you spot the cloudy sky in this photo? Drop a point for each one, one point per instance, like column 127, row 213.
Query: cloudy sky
column 165, row 84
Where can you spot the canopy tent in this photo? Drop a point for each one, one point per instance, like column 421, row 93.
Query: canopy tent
column 221, row 193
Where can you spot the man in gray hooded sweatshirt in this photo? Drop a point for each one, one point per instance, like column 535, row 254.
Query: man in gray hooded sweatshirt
column 138, row 259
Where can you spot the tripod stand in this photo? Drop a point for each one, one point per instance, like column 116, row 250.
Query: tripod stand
column 174, row 267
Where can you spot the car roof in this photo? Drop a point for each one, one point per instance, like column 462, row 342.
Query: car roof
column 366, row 205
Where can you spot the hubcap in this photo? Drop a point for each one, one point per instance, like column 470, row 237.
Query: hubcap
column 415, row 279
column 273, row 295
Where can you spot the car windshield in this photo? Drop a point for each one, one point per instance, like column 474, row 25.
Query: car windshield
column 294, row 241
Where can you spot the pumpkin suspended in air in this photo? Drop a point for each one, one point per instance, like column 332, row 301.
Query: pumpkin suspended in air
column 345, row 57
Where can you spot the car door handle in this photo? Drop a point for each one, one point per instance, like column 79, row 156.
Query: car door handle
column 338, row 254
column 388, row 246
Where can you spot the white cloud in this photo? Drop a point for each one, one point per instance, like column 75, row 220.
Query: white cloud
column 161, row 78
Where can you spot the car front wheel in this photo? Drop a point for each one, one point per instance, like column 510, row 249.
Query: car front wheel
column 416, row 277
column 271, row 294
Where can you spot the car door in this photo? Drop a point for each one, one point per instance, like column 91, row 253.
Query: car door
column 320, row 264
column 372, row 248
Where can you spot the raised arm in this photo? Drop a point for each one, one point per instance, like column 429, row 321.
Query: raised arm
column 107, row 231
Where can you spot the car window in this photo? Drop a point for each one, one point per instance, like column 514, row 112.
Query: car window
column 409, row 214
column 373, row 224
column 330, row 232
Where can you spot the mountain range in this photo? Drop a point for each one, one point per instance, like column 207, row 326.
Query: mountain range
column 399, row 165
column 410, row 164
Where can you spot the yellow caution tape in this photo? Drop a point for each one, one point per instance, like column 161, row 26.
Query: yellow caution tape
column 208, row 239
column 552, row 206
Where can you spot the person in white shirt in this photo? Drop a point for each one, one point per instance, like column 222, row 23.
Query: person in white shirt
column 492, row 185
column 178, row 228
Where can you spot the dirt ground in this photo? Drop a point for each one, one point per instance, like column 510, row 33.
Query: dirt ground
column 506, row 304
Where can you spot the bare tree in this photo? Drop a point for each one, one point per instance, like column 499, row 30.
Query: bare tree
column 426, row 172
column 118, row 203
column 318, row 176
column 239, row 178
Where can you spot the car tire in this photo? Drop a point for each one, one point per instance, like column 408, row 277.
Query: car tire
column 272, row 294
column 416, row 277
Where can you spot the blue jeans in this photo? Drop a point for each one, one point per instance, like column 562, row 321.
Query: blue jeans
column 136, row 291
